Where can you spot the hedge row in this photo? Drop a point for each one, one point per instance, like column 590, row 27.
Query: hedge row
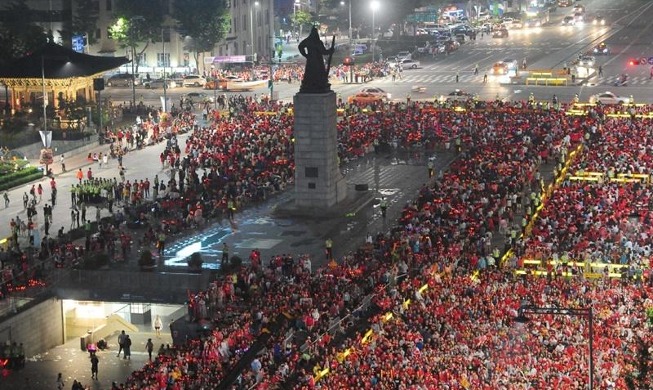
column 19, row 178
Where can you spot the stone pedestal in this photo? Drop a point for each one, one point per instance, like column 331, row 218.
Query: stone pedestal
column 318, row 181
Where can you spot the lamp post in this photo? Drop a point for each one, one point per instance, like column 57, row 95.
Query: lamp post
column 349, row 35
column 570, row 312
column 374, row 5
column 251, row 25
column 163, row 62
column 45, row 113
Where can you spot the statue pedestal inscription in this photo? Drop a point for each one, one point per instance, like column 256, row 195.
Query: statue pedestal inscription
column 318, row 181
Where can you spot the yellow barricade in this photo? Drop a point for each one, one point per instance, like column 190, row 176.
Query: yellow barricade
column 584, row 178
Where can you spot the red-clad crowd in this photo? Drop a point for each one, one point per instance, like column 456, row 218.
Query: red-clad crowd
column 445, row 234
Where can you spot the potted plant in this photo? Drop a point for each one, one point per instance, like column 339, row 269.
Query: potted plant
column 146, row 261
column 195, row 262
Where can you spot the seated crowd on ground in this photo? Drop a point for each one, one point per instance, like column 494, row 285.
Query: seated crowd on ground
column 451, row 239
column 448, row 230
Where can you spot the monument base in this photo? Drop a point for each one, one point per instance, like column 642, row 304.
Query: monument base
column 318, row 181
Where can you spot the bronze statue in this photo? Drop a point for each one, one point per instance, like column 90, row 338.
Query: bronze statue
column 316, row 77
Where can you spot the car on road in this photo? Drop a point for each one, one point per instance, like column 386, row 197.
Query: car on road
column 510, row 63
column 221, row 83
column 598, row 20
column 462, row 29
column 404, row 55
column 516, row 24
column 587, row 61
column 602, row 48
column 501, row 32
column 410, row 64
column 122, row 80
column 608, row 97
column 364, row 98
column 378, row 92
column 579, row 18
column 193, row 80
column 568, row 21
column 457, row 94
column 198, row 97
column 499, row 68
column 158, row 83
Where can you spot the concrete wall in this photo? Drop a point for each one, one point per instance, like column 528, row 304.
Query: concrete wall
column 39, row 328
column 131, row 286
column 33, row 151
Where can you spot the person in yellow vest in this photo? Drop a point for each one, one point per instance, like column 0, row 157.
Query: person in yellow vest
column 328, row 244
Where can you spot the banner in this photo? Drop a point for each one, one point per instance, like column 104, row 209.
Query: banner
column 46, row 138
column 165, row 103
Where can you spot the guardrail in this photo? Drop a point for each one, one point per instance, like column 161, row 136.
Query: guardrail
column 547, row 81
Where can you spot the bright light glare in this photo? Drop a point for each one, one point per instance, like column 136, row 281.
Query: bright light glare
column 374, row 5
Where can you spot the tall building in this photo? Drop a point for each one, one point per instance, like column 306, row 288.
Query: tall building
column 251, row 34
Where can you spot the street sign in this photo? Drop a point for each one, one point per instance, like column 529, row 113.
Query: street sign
column 650, row 60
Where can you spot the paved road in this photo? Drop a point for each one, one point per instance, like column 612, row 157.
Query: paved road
column 627, row 32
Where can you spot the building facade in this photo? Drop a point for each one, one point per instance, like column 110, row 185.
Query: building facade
column 250, row 34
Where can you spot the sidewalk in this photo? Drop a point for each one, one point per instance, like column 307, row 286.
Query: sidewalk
column 74, row 161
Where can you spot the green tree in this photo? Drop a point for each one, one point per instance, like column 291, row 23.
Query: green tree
column 300, row 19
column 205, row 22
column 85, row 19
column 137, row 23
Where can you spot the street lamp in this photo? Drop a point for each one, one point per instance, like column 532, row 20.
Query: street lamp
column 343, row 3
column 374, row 5
column 163, row 62
column 251, row 25
column 561, row 311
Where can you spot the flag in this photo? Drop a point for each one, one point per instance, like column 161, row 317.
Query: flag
column 46, row 138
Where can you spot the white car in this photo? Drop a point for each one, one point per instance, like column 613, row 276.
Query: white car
column 404, row 55
column 608, row 97
column 409, row 64
column 193, row 80
column 377, row 91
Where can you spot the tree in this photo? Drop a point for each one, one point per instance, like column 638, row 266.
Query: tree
column 136, row 23
column 85, row 20
column 205, row 22
column 301, row 18
column 19, row 35
column 399, row 10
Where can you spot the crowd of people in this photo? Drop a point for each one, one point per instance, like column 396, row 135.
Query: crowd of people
column 434, row 286
column 462, row 315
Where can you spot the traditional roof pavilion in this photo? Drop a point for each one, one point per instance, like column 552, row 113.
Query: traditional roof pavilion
column 65, row 72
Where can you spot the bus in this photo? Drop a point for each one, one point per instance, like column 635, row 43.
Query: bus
column 565, row 3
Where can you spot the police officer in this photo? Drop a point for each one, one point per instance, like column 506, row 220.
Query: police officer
column 384, row 206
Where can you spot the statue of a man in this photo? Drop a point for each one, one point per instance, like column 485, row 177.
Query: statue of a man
column 316, row 79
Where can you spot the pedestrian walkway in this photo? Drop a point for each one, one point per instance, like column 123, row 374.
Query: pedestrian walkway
column 40, row 372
